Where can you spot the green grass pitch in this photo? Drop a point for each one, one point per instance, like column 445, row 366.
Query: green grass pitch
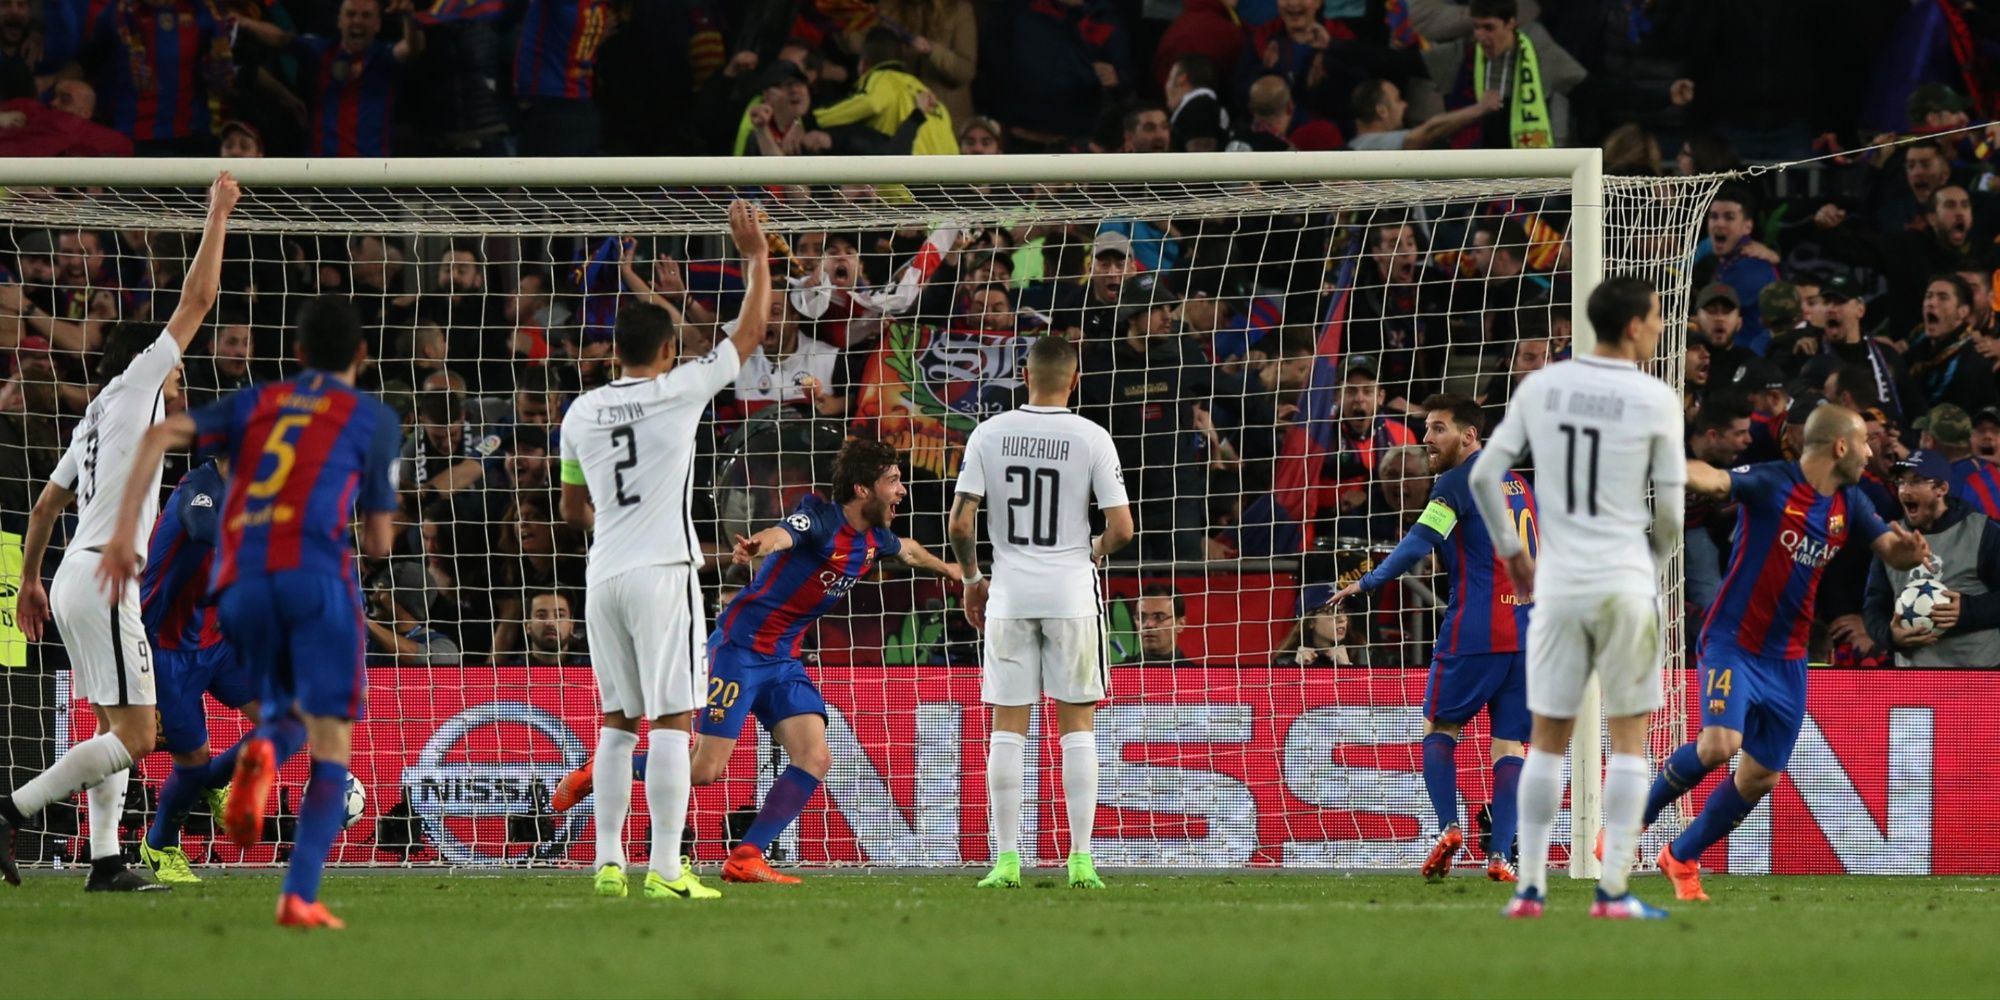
column 1150, row 935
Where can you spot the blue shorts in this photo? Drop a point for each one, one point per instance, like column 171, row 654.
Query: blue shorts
column 742, row 680
column 1459, row 686
column 304, row 638
column 1762, row 697
column 184, row 675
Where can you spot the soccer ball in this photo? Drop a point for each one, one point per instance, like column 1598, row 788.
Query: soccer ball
column 1917, row 601
column 356, row 801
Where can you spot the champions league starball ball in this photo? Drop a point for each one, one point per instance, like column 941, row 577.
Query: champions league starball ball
column 1915, row 604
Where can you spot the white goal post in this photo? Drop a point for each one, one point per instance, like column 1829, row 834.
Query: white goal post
column 1579, row 225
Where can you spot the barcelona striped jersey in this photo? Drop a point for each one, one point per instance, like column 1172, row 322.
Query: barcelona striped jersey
column 1786, row 533
column 304, row 453
column 174, row 589
column 557, row 53
column 1977, row 482
column 1484, row 613
column 152, row 77
column 354, row 101
column 793, row 588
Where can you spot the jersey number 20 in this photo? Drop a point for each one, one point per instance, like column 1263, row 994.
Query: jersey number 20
column 1037, row 492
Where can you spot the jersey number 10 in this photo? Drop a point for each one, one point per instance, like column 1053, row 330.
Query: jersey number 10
column 1037, row 494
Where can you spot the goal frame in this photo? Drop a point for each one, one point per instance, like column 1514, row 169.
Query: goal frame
column 1583, row 168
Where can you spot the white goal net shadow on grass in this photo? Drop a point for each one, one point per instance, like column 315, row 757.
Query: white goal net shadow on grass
column 1226, row 306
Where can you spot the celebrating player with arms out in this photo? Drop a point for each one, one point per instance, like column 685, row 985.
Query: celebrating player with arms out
column 106, row 640
column 193, row 658
column 304, row 453
column 1478, row 663
column 1792, row 519
column 1601, row 431
column 1044, row 628
column 628, row 475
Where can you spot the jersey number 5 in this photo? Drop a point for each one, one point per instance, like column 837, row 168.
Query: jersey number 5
column 630, row 460
column 1037, row 493
column 1570, row 434
column 285, row 452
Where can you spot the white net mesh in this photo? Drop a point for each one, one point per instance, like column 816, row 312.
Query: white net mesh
column 1216, row 320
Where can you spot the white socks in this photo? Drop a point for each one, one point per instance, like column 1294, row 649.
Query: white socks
column 1079, row 764
column 1627, row 782
column 84, row 765
column 669, row 779
column 1540, row 795
column 611, row 785
column 1005, row 753
column 107, row 803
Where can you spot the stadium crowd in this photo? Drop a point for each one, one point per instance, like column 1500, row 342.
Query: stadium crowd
column 1873, row 290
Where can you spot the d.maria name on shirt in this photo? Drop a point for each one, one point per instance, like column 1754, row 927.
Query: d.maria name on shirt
column 620, row 413
column 1024, row 446
column 1589, row 404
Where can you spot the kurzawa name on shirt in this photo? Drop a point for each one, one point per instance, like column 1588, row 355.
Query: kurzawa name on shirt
column 1022, row 446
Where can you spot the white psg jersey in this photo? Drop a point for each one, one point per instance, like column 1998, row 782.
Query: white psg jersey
column 100, row 451
column 1601, row 431
column 1036, row 469
column 631, row 443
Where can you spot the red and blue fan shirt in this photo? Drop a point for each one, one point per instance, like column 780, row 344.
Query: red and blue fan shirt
column 155, row 65
column 354, row 95
column 1354, row 461
column 793, row 588
column 1786, row 533
column 304, row 454
column 173, row 592
column 557, row 54
column 1484, row 614
column 1977, row 482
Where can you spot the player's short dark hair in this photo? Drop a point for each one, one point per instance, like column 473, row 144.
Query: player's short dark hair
column 1505, row 10
column 1051, row 353
column 881, row 45
column 1199, row 69
column 1959, row 286
column 1367, row 96
column 640, row 331
column 120, row 347
column 1720, row 409
column 1616, row 303
column 859, row 463
column 329, row 331
column 1164, row 590
column 1463, row 410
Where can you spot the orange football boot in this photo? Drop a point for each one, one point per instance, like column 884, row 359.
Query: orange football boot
column 573, row 788
column 250, row 793
column 1438, row 864
column 1498, row 870
column 1685, row 875
column 296, row 912
column 746, row 864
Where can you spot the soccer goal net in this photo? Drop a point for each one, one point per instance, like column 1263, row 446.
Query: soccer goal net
column 1259, row 333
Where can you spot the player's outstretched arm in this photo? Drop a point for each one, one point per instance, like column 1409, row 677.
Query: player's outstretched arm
column 915, row 556
column 748, row 235
column 1705, row 480
column 204, row 277
column 120, row 562
column 1901, row 548
column 1422, row 540
column 32, row 604
column 770, row 541
column 963, row 531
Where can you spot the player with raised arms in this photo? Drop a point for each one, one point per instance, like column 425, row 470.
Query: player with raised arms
column 1479, row 661
column 106, row 636
column 1601, row 431
column 628, row 477
column 1792, row 518
column 193, row 657
column 304, row 454
column 1042, row 613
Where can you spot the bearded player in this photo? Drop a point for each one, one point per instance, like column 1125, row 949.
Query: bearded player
column 1479, row 661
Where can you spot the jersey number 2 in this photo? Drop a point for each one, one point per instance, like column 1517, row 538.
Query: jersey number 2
column 1570, row 433
column 1037, row 492
column 630, row 460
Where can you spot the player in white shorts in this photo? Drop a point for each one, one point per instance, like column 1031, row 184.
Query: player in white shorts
column 1041, row 614
column 628, row 473
column 111, row 663
column 1601, row 431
